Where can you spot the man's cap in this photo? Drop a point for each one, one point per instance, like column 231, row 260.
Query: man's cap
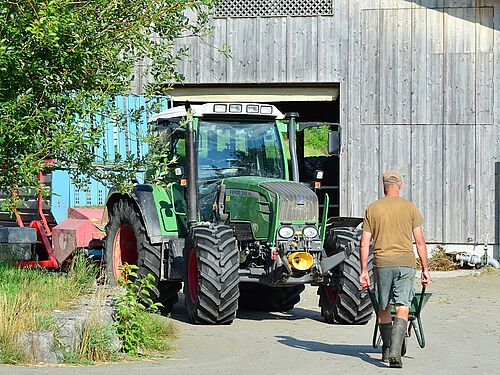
column 391, row 177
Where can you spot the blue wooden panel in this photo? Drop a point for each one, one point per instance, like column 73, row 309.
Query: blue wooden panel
column 116, row 140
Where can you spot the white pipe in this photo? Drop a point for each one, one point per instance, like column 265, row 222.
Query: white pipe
column 476, row 259
column 493, row 262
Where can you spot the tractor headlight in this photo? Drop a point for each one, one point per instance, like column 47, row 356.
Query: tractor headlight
column 286, row 232
column 310, row 232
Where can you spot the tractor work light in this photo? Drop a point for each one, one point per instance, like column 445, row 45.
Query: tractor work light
column 252, row 108
column 286, row 232
column 266, row 109
column 310, row 232
column 318, row 174
column 220, row 108
column 235, row 108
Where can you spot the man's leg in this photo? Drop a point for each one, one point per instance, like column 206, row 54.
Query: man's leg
column 385, row 325
column 403, row 295
column 384, row 277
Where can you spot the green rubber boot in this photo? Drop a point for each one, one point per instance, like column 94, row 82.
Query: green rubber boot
column 397, row 337
column 385, row 332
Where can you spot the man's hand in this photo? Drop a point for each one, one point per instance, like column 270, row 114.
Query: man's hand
column 364, row 279
column 425, row 278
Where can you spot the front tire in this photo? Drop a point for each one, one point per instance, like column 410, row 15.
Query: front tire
column 345, row 302
column 211, row 275
column 127, row 242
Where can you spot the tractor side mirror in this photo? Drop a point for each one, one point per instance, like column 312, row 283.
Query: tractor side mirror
column 334, row 142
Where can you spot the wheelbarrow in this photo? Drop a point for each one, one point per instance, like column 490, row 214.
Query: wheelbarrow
column 414, row 319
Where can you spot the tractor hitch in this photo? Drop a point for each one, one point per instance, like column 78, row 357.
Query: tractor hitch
column 332, row 261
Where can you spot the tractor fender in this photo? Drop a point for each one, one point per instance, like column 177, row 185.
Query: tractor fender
column 142, row 196
column 345, row 221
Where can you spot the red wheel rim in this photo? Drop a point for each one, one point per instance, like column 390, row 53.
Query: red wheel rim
column 330, row 294
column 192, row 275
column 124, row 248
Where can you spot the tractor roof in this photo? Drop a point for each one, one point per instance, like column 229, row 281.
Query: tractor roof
column 222, row 109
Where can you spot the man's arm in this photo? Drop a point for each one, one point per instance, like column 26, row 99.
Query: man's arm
column 364, row 277
column 425, row 277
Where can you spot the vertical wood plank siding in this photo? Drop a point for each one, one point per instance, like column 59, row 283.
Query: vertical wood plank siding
column 419, row 90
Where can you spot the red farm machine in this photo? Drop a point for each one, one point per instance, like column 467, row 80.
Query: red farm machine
column 47, row 231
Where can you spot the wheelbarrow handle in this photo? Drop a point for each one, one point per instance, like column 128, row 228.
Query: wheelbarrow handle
column 374, row 300
column 421, row 302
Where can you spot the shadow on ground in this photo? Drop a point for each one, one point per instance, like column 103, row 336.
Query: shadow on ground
column 357, row 351
column 179, row 313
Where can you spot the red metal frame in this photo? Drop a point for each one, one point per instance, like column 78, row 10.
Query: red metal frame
column 44, row 241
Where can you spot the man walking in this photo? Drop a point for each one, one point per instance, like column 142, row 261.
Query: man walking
column 391, row 223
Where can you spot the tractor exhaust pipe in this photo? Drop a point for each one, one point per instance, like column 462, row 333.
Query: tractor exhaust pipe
column 191, row 173
column 291, row 116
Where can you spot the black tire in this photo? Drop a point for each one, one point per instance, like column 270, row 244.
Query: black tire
column 127, row 242
column 345, row 302
column 211, row 275
column 257, row 297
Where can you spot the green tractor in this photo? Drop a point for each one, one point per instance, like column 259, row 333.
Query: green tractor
column 234, row 224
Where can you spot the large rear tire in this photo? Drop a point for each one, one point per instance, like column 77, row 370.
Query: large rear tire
column 345, row 302
column 127, row 242
column 211, row 275
column 257, row 297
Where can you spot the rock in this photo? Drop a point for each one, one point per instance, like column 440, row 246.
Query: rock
column 69, row 327
column 70, row 324
column 38, row 347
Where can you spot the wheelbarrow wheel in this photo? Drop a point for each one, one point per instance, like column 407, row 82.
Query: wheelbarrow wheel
column 345, row 301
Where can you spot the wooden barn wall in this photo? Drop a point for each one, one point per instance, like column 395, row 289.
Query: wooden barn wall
column 419, row 93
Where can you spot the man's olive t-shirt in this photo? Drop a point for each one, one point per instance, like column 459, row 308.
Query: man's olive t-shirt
column 391, row 221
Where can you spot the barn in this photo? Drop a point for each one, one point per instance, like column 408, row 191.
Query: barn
column 414, row 85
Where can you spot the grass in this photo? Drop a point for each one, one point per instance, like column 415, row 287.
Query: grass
column 28, row 296
column 160, row 332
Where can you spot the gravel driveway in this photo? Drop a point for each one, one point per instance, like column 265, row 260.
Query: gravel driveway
column 461, row 321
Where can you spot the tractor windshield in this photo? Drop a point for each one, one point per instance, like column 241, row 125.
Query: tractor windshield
column 228, row 149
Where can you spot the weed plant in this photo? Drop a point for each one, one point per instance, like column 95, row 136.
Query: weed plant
column 136, row 322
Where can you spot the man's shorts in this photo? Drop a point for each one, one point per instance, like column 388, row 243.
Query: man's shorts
column 395, row 285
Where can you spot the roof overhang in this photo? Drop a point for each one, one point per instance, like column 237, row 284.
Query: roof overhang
column 256, row 93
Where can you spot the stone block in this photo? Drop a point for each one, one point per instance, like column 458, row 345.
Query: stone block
column 12, row 252
column 38, row 347
column 18, row 235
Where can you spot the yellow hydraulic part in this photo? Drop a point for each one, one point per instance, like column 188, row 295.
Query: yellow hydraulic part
column 300, row 260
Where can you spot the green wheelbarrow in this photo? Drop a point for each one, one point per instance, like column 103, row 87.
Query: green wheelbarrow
column 414, row 319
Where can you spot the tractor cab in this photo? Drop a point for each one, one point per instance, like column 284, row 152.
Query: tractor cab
column 232, row 140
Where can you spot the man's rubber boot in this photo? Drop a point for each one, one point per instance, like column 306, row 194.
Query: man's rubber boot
column 397, row 337
column 385, row 332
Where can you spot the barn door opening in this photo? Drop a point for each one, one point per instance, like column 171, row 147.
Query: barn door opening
column 312, row 148
column 313, row 103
